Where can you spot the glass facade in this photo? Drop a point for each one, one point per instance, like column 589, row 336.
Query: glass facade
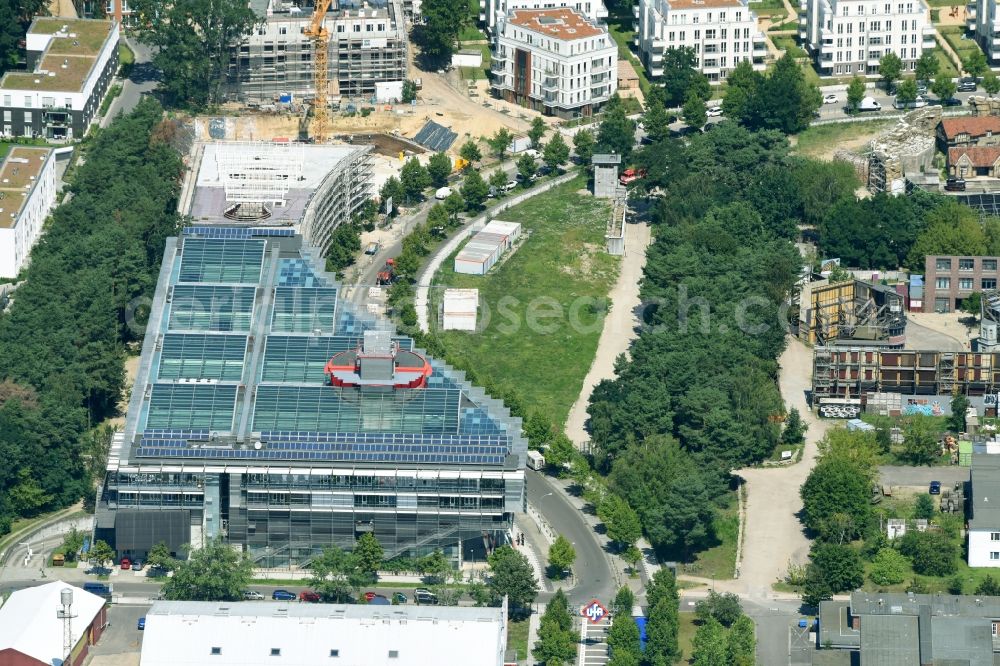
column 233, row 423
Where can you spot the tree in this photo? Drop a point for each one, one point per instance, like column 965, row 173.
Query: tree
column 944, row 87
column 960, row 404
column 583, row 145
column 72, row 543
column 556, row 639
column 561, row 451
column 454, row 204
column 409, row 91
column 920, row 440
column 512, row 575
column 438, row 34
column 927, row 66
column 616, row 133
column 741, row 88
column 975, row 63
column 193, row 40
column 694, row 112
column 500, row 142
column 391, row 189
column 537, row 131
column 498, row 179
column 741, row 644
column 678, row 72
column 709, row 644
column 991, row 82
column 623, row 602
column 434, row 566
column 889, row 68
column 924, row 508
column 474, row 191
column 816, row 588
column 623, row 641
column 933, row 552
column 345, row 244
column 561, row 557
column 214, row 572
column 906, row 91
column 989, row 587
column 662, row 625
column 855, row 93
column 556, row 152
column 101, row 553
column 725, row 608
column 414, row 179
column 335, row 575
column 28, row 497
column 655, row 120
column 783, row 100
column 620, row 520
column 368, row 553
column 889, row 567
column 470, row 152
column 836, row 486
column 794, row 430
column 526, row 168
column 840, row 566
column 438, row 169
column 972, row 305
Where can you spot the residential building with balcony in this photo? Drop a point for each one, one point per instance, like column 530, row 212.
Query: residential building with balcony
column 71, row 63
column 491, row 12
column 27, row 194
column 722, row 34
column 981, row 20
column 849, row 37
column 556, row 61
column 949, row 280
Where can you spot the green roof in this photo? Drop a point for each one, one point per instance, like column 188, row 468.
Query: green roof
column 67, row 60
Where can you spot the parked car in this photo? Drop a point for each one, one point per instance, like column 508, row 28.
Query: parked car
column 126, row 564
column 511, row 185
column 141, row 624
column 137, row 566
column 98, row 571
column 713, row 111
column 370, row 595
column 309, row 596
column 399, row 598
column 954, row 185
column 493, row 193
column 252, row 595
column 534, row 153
column 283, row 595
column 921, row 88
column 830, row 99
column 967, row 84
column 917, row 103
column 869, row 104
column 424, row 596
column 935, row 488
column 951, row 101
column 379, row 600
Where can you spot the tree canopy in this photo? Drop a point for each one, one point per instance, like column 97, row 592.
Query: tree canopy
column 782, row 100
column 214, row 572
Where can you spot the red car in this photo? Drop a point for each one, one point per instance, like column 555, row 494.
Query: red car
column 310, row 596
column 126, row 564
column 369, row 596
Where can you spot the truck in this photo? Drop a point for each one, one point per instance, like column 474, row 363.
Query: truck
column 631, row 175
column 100, row 589
column 372, row 248
column 387, row 275
column 536, row 460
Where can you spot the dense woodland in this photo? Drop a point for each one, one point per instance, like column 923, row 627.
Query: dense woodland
column 62, row 341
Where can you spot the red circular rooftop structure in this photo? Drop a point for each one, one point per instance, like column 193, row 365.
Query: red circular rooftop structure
column 378, row 361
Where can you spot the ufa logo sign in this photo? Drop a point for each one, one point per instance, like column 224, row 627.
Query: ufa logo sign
column 594, row 611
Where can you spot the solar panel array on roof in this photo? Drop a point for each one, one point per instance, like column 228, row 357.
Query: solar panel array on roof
column 211, row 308
column 304, row 309
column 238, row 232
column 192, row 406
column 202, row 356
column 221, row 260
column 300, row 359
column 435, row 137
column 296, row 273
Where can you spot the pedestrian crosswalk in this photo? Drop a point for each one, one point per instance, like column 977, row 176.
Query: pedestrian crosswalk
column 593, row 642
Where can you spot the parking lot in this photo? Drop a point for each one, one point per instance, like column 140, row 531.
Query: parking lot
column 801, row 644
column 121, row 636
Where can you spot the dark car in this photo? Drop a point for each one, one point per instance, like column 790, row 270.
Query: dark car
column 423, row 596
column 98, row 571
column 967, row 85
column 379, row 600
column 951, row 101
column 283, row 595
column 141, row 624
column 935, row 488
column 309, row 596
column 954, row 185
column 399, row 598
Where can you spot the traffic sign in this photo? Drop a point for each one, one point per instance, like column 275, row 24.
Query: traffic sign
column 594, row 611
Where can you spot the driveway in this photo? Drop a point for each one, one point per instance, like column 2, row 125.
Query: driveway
column 922, row 476
column 922, row 337
column 142, row 80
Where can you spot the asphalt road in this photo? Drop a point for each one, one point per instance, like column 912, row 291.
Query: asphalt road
column 922, row 476
column 594, row 577
column 143, row 79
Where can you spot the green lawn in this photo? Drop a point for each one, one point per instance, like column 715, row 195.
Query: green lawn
column 945, row 65
column 719, row 561
column 954, row 35
column 787, row 43
column 768, row 8
column 125, row 55
column 685, row 636
column 471, row 33
column 819, row 138
column 945, row 3
column 478, row 73
column 788, row 25
column 544, row 306
column 620, row 27
column 517, row 638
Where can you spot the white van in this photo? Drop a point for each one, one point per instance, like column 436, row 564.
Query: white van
column 443, row 193
column 869, row 104
column 536, row 460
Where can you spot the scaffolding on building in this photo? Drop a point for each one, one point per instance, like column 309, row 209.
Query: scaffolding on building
column 907, row 148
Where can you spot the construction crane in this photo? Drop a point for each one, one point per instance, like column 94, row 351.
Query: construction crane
column 319, row 36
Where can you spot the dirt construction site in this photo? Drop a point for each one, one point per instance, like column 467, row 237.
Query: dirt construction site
column 464, row 107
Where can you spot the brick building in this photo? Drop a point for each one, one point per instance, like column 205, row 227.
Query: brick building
column 948, row 280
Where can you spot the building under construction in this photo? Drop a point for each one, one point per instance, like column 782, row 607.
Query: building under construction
column 903, row 152
column 367, row 46
column 852, row 373
column 989, row 321
column 854, row 313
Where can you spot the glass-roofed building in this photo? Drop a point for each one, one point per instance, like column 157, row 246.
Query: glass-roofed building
column 272, row 413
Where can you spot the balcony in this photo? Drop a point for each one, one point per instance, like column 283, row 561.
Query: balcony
column 498, row 67
column 599, row 78
column 550, row 82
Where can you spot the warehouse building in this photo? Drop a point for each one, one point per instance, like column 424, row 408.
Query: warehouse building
column 484, row 250
column 311, row 188
column 459, row 309
column 367, row 46
column 259, row 633
column 273, row 414
column 27, row 194
column 54, row 623
column 71, row 63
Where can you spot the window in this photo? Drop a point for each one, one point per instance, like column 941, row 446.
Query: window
column 216, row 650
column 965, row 283
column 989, row 264
column 994, row 536
column 943, row 283
column 942, row 264
column 27, row 102
column 996, row 625
column 393, row 654
column 967, row 264
column 275, row 652
column 334, row 653
column 995, row 555
column 989, row 283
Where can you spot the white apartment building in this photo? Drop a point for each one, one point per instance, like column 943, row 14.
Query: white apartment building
column 984, row 518
column 555, row 61
column 851, row 36
column 27, row 194
column 492, row 12
column 722, row 34
column 981, row 20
